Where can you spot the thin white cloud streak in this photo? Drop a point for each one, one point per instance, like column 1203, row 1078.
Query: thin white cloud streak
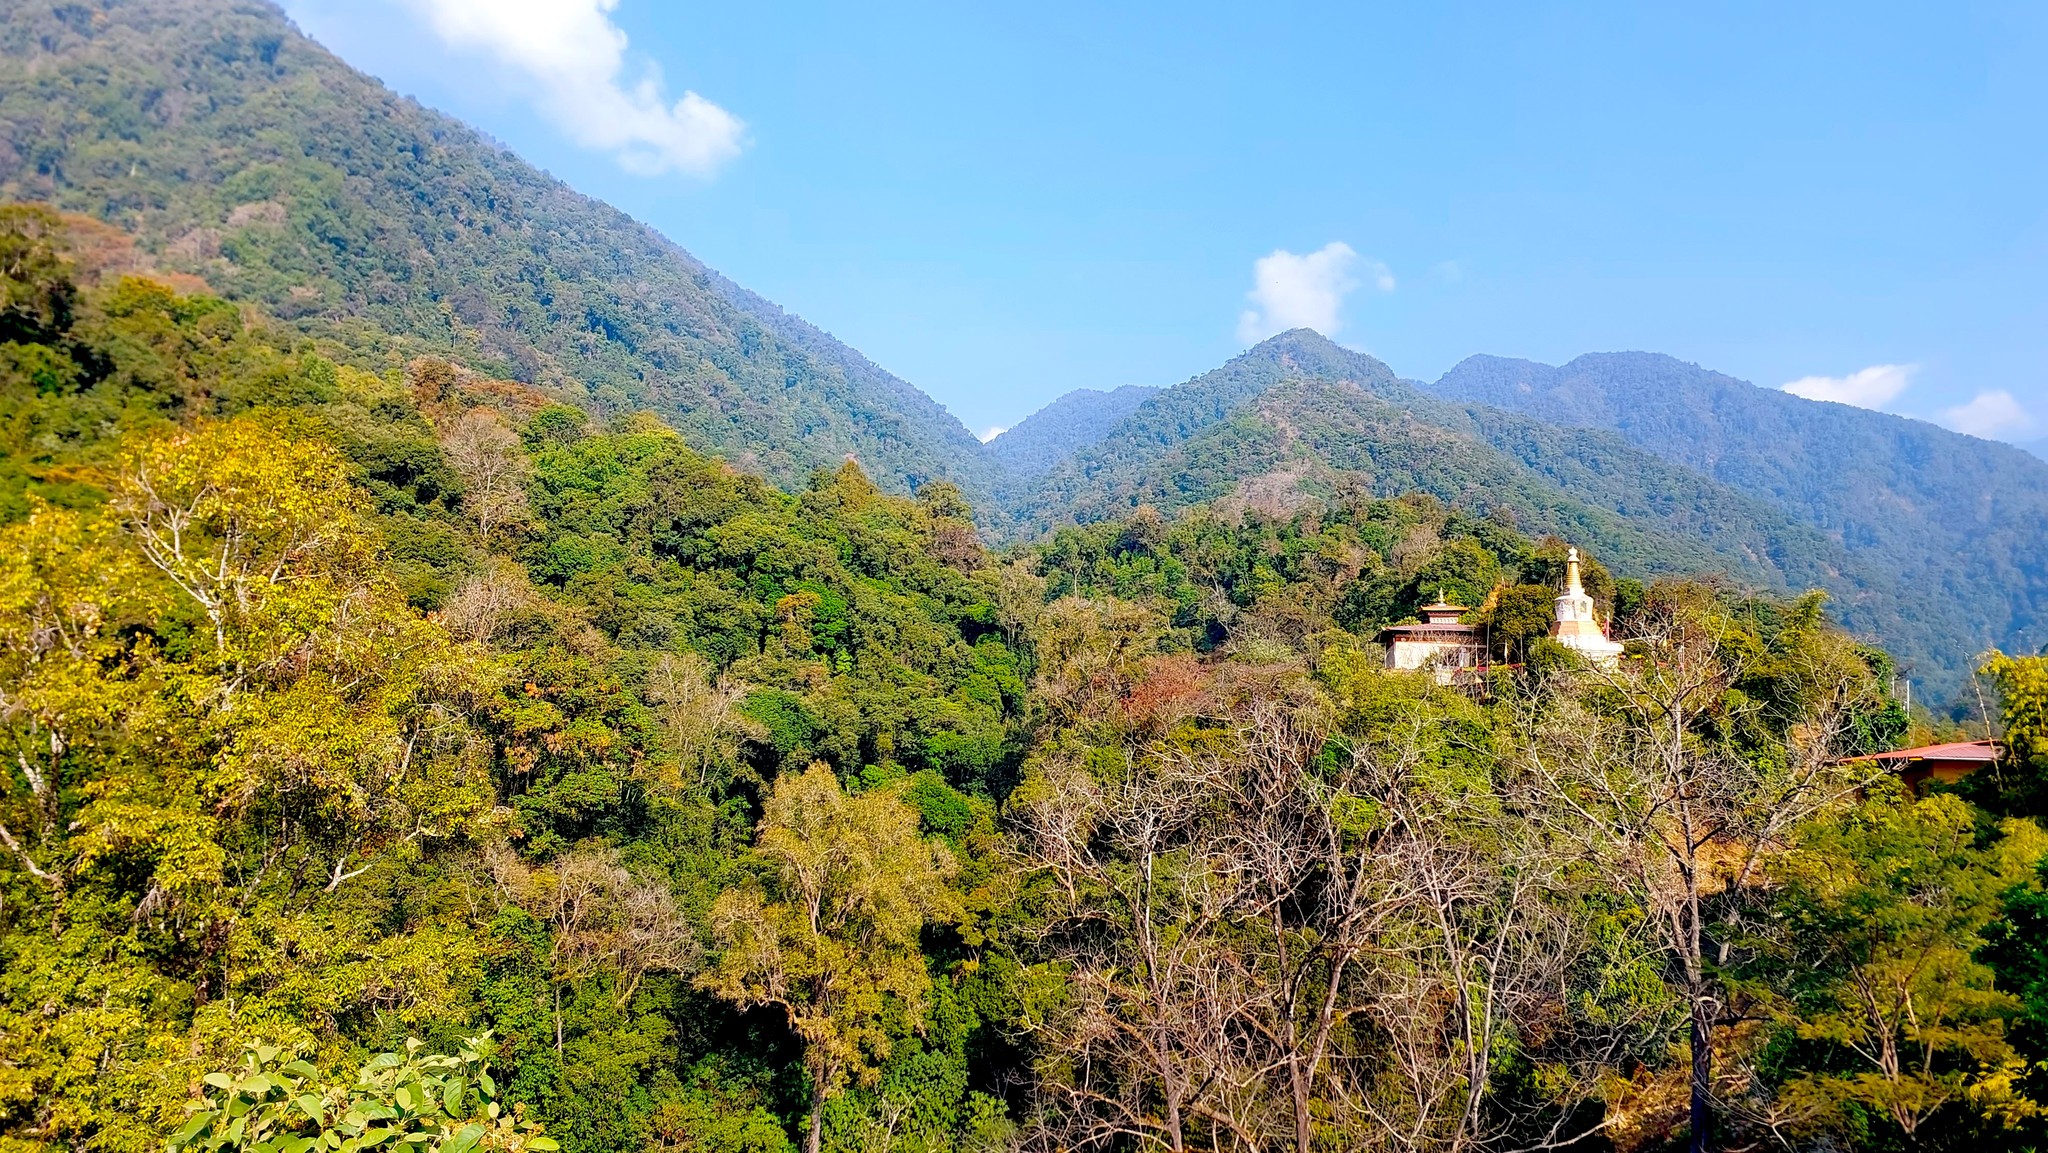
column 992, row 432
column 1872, row 387
column 1995, row 415
column 575, row 59
column 1296, row 291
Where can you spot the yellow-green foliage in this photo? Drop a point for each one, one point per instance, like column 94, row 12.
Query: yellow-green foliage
column 347, row 701
column 1885, row 906
column 831, row 935
column 215, row 700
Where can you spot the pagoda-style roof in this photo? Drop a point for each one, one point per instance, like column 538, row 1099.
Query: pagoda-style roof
column 1439, row 632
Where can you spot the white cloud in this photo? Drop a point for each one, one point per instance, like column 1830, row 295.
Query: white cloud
column 1290, row 291
column 1991, row 415
column 1872, row 387
column 992, row 432
column 575, row 59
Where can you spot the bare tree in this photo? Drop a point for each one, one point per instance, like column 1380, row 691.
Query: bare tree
column 1267, row 946
column 1149, row 1048
column 601, row 919
column 1412, row 923
column 700, row 712
column 486, row 454
column 1474, row 945
column 1653, row 771
column 477, row 610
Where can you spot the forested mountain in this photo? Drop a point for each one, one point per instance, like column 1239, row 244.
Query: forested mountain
column 1062, row 428
column 240, row 151
column 1299, row 417
column 245, row 157
column 455, row 696
column 2037, row 447
column 1958, row 524
column 397, row 758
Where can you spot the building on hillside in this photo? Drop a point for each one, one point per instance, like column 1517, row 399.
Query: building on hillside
column 1577, row 626
column 1439, row 643
column 1942, row 764
column 1457, row 652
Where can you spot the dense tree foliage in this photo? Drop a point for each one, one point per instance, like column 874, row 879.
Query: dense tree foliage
column 398, row 757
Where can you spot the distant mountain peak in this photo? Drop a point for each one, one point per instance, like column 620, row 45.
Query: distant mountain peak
column 1311, row 351
column 1033, row 446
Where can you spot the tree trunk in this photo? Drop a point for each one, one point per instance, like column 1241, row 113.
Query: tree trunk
column 816, row 1137
column 1304, row 1132
column 1702, row 1073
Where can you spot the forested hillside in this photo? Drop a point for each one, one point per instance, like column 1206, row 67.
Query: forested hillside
column 1062, row 428
column 457, row 696
column 245, row 158
column 399, row 757
column 1959, row 523
column 240, row 151
column 1298, row 418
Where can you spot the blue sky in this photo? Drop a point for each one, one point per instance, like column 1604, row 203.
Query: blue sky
column 1002, row 203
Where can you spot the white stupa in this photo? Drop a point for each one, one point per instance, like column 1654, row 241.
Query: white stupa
column 1577, row 626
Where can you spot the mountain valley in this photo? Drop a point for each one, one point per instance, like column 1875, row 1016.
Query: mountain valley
column 475, row 679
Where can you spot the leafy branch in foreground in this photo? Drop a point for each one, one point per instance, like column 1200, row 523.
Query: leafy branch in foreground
column 406, row 1103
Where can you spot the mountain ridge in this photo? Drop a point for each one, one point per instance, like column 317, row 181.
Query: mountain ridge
column 1235, row 435
column 1035, row 445
column 1963, row 521
column 312, row 190
column 242, row 153
column 1169, row 421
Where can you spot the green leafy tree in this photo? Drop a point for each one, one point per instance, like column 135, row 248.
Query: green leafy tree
column 2019, row 782
column 1891, row 1025
column 1519, row 616
column 37, row 290
column 831, row 937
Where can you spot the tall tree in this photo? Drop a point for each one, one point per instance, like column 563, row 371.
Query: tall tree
column 1880, row 910
column 486, row 454
column 1678, row 770
column 831, row 933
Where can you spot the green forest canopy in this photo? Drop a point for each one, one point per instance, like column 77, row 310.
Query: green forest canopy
column 351, row 702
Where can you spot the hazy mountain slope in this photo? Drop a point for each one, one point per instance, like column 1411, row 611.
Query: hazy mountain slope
column 1300, row 415
column 2037, row 447
column 243, row 152
column 1062, row 428
column 1958, row 524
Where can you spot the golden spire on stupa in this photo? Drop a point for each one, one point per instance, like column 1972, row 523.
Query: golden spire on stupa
column 1577, row 626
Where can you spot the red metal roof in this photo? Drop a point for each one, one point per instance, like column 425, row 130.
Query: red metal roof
column 1953, row 751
